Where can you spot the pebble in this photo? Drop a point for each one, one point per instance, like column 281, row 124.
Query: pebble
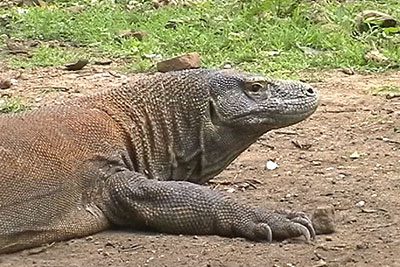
column 5, row 84
column 323, row 220
column 230, row 190
column 186, row 61
column 360, row 203
column 355, row 155
column 270, row 165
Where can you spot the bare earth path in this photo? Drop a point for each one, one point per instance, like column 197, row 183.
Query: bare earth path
column 321, row 173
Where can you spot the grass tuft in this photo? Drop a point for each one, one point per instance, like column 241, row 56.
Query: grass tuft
column 386, row 90
column 12, row 105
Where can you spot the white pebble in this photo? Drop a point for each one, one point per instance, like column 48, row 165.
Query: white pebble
column 361, row 203
column 271, row 165
column 230, row 190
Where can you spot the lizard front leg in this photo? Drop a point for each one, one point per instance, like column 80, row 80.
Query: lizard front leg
column 185, row 208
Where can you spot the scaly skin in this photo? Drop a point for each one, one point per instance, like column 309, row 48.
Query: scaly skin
column 137, row 156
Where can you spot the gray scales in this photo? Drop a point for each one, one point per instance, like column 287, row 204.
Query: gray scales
column 137, row 156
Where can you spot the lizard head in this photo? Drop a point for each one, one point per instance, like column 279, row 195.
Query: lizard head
column 257, row 103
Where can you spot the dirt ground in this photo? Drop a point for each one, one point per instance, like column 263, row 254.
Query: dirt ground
column 322, row 172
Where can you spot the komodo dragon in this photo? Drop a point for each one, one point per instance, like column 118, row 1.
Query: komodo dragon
column 136, row 156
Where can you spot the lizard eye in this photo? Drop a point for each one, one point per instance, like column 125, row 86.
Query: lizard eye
column 255, row 87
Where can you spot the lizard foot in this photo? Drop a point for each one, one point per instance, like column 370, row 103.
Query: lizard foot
column 289, row 224
column 276, row 225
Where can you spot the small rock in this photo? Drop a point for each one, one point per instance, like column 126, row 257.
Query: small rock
column 13, row 81
column 186, row 61
column 230, row 190
column 321, row 263
column 355, row 155
column 152, row 56
column 106, row 61
column 109, row 244
column 270, row 165
column 392, row 95
column 5, row 84
column 360, row 203
column 35, row 251
column 348, row 71
column 323, row 220
column 362, row 246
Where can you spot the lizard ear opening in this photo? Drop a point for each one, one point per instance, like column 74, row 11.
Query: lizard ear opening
column 213, row 113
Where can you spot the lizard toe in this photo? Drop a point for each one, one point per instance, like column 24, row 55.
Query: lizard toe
column 262, row 231
column 290, row 229
column 302, row 219
column 288, row 224
column 306, row 222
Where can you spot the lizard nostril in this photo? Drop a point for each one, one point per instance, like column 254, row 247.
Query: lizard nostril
column 310, row 92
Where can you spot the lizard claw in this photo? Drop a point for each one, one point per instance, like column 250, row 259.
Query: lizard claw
column 263, row 231
column 287, row 224
column 305, row 222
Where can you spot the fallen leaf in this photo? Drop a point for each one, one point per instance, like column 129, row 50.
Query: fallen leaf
column 77, row 65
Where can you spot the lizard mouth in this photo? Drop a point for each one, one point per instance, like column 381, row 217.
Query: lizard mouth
column 280, row 115
column 276, row 114
column 274, row 119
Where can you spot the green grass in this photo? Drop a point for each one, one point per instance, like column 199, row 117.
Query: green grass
column 12, row 105
column 386, row 90
column 307, row 34
column 46, row 56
